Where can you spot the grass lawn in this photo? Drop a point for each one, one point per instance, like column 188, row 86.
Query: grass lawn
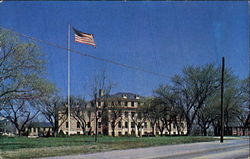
column 23, row 148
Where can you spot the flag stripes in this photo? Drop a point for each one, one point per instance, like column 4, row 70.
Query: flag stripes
column 84, row 38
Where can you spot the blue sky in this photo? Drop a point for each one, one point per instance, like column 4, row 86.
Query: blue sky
column 158, row 36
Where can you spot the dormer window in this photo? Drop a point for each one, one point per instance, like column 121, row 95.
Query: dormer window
column 137, row 97
column 124, row 96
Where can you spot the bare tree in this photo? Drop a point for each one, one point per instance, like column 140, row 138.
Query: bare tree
column 114, row 112
column 139, row 117
column 19, row 112
column 170, row 109
column 152, row 112
column 100, row 93
column 79, row 111
column 54, row 110
column 90, row 118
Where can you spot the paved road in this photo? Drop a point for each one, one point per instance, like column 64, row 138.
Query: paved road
column 230, row 149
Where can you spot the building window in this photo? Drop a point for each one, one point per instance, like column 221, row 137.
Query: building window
column 67, row 133
column 78, row 124
column 152, row 126
column 99, row 103
column 78, row 112
column 89, row 113
column 174, row 126
column 139, row 115
column 126, row 114
column 132, row 104
column 132, row 114
column 119, row 124
column 34, row 129
column 126, row 103
column 126, row 124
column 67, row 124
column 89, row 125
column 78, row 133
column 99, row 125
column 139, row 103
column 132, row 125
column 126, row 133
column 119, row 133
column 145, row 125
column 99, row 114
column 119, row 103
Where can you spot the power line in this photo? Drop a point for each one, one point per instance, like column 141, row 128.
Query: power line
column 88, row 55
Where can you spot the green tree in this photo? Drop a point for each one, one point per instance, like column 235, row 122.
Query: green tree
column 208, row 113
column 20, row 68
column 21, row 81
column 244, row 115
column 193, row 87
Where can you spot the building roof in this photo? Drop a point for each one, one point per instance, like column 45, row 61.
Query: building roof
column 125, row 95
column 234, row 124
column 3, row 120
column 129, row 95
column 40, row 125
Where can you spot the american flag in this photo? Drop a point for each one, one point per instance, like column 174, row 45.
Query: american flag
column 84, row 38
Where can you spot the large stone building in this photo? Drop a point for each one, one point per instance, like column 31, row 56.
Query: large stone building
column 117, row 115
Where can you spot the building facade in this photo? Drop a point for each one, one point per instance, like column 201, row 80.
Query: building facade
column 39, row 129
column 116, row 115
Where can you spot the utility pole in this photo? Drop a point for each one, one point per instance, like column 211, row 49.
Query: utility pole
column 222, row 93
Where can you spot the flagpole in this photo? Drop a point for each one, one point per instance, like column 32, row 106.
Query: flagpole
column 69, row 78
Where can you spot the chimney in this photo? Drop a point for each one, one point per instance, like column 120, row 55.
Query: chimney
column 101, row 92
